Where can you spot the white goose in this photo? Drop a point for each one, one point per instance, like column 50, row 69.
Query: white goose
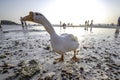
column 60, row 44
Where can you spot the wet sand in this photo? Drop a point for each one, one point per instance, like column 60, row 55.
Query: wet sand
column 30, row 57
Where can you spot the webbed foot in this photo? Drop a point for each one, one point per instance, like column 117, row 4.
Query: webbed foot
column 74, row 58
column 61, row 59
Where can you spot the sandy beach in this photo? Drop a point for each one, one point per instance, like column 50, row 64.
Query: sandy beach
column 27, row 55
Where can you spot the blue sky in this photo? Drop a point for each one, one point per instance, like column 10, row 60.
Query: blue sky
column 73, row 11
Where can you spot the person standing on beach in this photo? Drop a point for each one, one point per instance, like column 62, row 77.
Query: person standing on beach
column 118, row 24
column 117, row 30
column 91, row 24
column 1, row 32
column 85, row 25
column 22, row 23
column 0, row 27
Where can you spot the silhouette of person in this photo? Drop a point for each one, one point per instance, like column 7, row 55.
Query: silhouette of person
column 0, row 26
column 88, row 23
column 1, row 32
column 118, row 24
column 64, row 26
column 117, row 30
column 22, row 23
column 85, row 25
column 91, row 24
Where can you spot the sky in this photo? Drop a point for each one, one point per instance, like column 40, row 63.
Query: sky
column 68, row 11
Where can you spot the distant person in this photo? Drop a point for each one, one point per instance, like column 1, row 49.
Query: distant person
column 88, row 23
column 85, row 25
column 117, row 29
column 22, row 23
column 0, row 26
column 91, row 24
column 64, row 26
column 1, row 32
column 118, row 24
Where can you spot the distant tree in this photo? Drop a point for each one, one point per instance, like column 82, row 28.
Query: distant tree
column 7, row 22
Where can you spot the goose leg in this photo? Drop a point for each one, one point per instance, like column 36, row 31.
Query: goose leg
column 74, row 57
column 61, row 59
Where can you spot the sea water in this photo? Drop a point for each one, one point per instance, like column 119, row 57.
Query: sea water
column 11, row 31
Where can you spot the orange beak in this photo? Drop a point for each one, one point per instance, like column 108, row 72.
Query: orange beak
column 28, row 17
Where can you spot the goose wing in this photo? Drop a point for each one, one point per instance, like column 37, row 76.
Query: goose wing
column 70, row 37
column 70, row 42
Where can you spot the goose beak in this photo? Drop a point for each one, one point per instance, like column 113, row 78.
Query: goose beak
column 28, row 17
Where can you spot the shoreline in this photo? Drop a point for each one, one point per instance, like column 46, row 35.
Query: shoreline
column 30, row 30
